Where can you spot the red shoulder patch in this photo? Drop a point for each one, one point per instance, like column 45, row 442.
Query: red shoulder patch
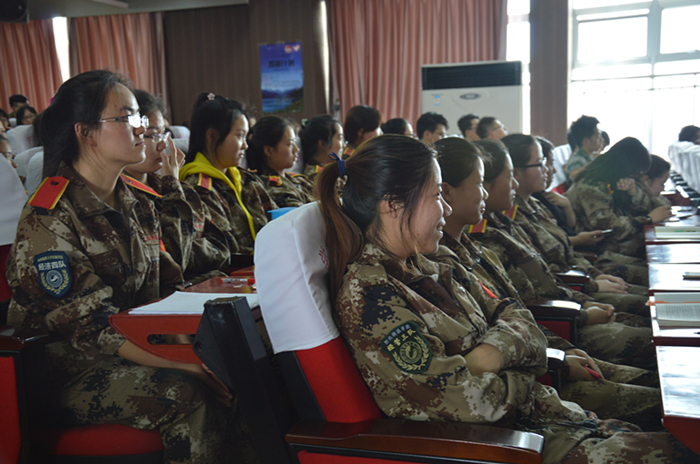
column 479, row 228
column 49, row 192
column 204, row 181
column 510, row 214
column 275, row 181
column 139, row 186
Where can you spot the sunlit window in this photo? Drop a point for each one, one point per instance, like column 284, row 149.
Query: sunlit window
column 613, row 39
column 679, row 29
column 60, row 30
column 518, row 48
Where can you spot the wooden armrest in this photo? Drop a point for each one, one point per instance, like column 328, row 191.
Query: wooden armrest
column 554, row 308
column 429, row 438
column 13, row 339
column 589, row 255
column 555, row 359
column 573, row 277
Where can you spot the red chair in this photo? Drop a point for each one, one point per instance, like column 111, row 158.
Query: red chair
column 26, row 437
column 339, row 419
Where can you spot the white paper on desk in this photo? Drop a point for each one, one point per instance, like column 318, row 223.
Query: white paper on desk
column 676, row 297
column 678, row 315
column 692, row 232
column 189, row 303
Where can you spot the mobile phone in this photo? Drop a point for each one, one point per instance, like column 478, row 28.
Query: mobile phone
column 606, row 231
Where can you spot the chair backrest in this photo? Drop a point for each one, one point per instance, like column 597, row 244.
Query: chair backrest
column 291, row 274
column 21, row 138
column 12, row 200
column 561, row 155
column 180, row 132
column 35, row 173
column 22, row 160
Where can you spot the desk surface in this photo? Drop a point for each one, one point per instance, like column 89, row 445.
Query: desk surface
column 673, row 336
column 674, row 253
column 669, row 278
column 679, row 374
column 138, row 328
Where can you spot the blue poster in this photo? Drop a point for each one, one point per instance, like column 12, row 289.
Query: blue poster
column 282, row 78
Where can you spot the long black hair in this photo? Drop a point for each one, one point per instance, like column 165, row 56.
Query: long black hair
column 268, row 131
column 80, row 100
column 458, row 158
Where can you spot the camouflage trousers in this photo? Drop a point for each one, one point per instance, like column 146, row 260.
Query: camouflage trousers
column 626, row 393
column 633, row 270
column 633, row 302
column 626, row 341
column 195, row 428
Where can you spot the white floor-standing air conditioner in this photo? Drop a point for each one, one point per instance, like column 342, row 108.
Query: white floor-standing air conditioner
column 489, row 88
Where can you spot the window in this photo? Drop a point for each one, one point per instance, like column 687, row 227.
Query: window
column 60, row 31
column 518, row 49
column 636, row 67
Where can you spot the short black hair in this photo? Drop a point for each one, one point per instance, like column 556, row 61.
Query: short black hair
column 395, row 126
column 3, row 113
column 361, row 117
column 18, row 99
column 465, row 122
column 688, row 134
column 658, row 167
column 429, row 122
column 148, row 103
column 582, row 128
column 484, row 127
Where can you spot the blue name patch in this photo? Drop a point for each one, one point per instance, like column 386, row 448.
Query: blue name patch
column 54, row 273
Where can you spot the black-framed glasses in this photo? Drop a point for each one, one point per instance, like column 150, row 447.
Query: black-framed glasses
column 135, row 120
column 158, row 137
column 541, row 165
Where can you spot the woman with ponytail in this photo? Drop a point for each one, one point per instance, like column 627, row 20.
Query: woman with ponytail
column 237, row 200
column 320, row 136
column 422, row 344
column 271, row 151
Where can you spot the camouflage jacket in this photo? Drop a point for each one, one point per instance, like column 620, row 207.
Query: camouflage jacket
column 289, row 189
column 189, row 234
column 487, row 272
column 227, row 214
column 552, row 241
column 408, row 329
column 311, row 171
column 74, row 265
column 595, row 209
column 523, row 263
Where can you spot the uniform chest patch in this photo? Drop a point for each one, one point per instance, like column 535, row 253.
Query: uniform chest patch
column 54, row 273
column 409, row 350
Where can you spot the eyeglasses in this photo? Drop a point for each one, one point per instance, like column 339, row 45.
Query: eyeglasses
column 158, row 137
column 540, row 165
column 135, row 120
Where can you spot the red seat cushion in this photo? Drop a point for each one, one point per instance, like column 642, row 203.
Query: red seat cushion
column 10, row 435
column 104, row 440
column 337, row 384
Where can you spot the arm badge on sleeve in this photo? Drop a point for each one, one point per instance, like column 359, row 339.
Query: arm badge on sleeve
column 54, row 273
column 409, row 350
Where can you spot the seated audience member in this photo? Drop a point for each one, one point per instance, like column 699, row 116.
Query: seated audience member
column 490, row 128
column 188, row 232
column 361, row 124
column 398, row 126
column 236, row 198
column 552, row 242
column 464, row 365
column 6, row 151
column 467, row 126
column 16, row 102
column 618, row 338
column 606, row 141
column 606, row 196
column 91, row 250
column 654, row 180
column 320, row 136
column 634, row 398
column 271, row 151
column 25, row 116
column 585, row 138
column 431, row 127
column 690, row 134
column 4, row 121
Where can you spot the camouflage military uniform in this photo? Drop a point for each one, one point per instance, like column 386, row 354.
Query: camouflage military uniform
column 189, row 234
column 627, row 393
column 227, row 214
column 289, row 189
column 627, row 341
column 556, row 249
column 70, row 268
column 408, row 330
column 595, row 209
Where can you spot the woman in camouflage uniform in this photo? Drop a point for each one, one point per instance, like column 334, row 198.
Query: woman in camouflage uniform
column 530, row 170
column 87, row 248
column 236, row 198
column 626, row 393
column 423, row 345
column 320, row 136
column 606, row 196
column 189, row 234
column 271, row 151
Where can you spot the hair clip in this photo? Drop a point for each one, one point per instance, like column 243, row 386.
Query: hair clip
column 211, row 96
column 341, row 163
